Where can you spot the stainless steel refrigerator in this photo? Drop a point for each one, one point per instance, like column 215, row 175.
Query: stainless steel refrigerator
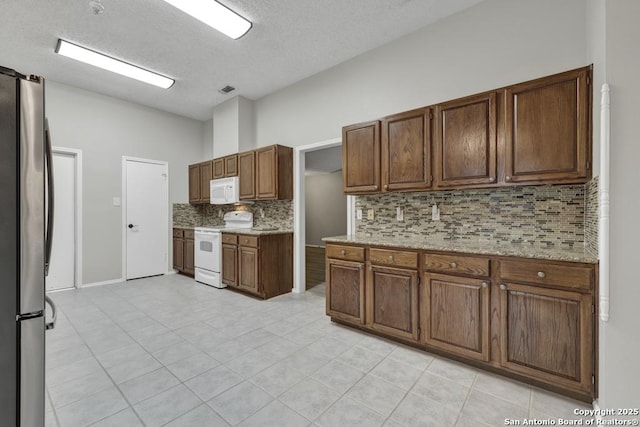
column 26, row 218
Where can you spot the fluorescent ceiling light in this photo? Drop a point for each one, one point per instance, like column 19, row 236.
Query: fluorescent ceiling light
column 96, row 59
column 214, row 15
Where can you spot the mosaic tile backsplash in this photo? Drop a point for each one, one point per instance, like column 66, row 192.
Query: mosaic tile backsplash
column 542, row 216
column 592, row 206
column 277, row 214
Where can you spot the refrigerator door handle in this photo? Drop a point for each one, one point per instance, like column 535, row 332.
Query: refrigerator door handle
column 54, row 310
column 50, row 194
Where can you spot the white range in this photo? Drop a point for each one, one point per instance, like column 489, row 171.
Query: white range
column 208, row 247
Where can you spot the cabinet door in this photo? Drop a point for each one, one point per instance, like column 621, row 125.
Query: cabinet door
column 547, row 129
column 218, row 168
column 465, row 147
column 246, row 173
column 194, row 183
column 406, row 151
column 345, row 290
column 248, row 273
column 392, row 301
column 231, row 165
column 178, row 254
column 230, row 265
column 361, row 158
column 189, row 256
column 267, row 173
column 547, row 334
column 456, row 315
column 206, row 174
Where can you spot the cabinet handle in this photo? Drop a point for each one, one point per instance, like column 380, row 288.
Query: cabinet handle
column 507, row 178
column 503, row 287
column 484, row 284
column 491, row 179
column 453, row 265
column 542, row 274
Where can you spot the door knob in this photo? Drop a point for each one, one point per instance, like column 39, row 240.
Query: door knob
column 131, row 225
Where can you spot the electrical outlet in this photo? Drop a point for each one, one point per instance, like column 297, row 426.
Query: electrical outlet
column 370, row 214
column 359, row 214
column 435, row 213
column 261, row 213
column 399, row 214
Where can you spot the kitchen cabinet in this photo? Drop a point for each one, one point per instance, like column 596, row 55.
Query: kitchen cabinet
column 259, row 265
column 200, row 175
column 529, row 319
column 218, row 168
column 274, row 173
column 231, row 165
column 183, row 251
column 406, row 151
column 548, row 129
column 547, row 322
column 392, row 301
column 247, row 175
column 466, row 142
column 361, row 158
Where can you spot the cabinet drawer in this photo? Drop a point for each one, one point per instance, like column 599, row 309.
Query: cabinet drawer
column 457, row 264
column 246, row 240
column 177, row 232
column 392, row 257
column 349, row 253
column 188, row 234
column 567, row 275
column 231, row 239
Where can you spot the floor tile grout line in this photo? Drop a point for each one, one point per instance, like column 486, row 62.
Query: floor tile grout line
column 466, row 399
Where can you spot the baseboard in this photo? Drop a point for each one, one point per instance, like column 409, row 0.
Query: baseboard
column 106, row 282
column 598, row 414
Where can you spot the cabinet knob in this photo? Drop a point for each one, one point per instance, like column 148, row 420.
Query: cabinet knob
column 507, row 178
column 343, row 252
column 542, row 274
column 453, row 265
column 375, row 187
column 386, row 187
column 503, row 287
column 484, row 284
column 390, row 257
column 370, row 268
column 491, row 179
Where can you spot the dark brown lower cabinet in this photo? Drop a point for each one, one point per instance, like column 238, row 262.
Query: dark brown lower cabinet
column 258, row 265
column 345, row 295
column 547, row 334
column 392, row 301
column 456, row 314
column 183, row 251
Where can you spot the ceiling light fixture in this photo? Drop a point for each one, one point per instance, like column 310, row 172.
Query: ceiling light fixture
column 214, row 15
column 100, row 60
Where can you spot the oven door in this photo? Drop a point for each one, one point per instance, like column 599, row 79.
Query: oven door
column 208, row 250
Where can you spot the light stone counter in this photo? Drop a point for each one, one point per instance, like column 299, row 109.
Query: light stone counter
column 470, row 247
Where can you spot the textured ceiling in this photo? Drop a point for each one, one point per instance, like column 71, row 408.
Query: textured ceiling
column 290, row 40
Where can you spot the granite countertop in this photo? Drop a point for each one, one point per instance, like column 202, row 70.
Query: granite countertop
column 471, row 247
column 253, row 231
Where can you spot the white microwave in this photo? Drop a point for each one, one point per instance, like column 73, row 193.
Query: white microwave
column 225, row 191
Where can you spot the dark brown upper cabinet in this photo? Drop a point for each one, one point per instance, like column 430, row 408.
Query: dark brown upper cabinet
column 406, row 151
column 361, row 158
column 230, row 165
column 465, row 142
column 194, row 184
column 200, row 175
column 218, row 168
column 247, row 175
column 274, row 173
column 548, row 129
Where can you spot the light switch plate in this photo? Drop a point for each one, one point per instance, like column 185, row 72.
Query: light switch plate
column 370, row 214
column 399, row 214
column 359, row 214
column 116, row 201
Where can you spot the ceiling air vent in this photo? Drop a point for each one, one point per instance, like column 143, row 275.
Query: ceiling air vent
column 226, row 90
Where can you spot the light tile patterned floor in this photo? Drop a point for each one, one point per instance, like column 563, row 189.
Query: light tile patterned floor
column 167, row 351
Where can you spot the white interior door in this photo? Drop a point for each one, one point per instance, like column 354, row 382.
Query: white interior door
column 62, row 270
column 146, row 217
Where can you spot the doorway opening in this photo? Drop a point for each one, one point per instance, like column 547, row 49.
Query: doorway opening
column 145, row 218
column 301, row 234
column 65, row 271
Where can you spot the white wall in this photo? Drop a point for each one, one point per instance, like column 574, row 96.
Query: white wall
column 105, row 129
column 619, row 337
column 207, row 141
column 325, row 207
column 495, row 43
